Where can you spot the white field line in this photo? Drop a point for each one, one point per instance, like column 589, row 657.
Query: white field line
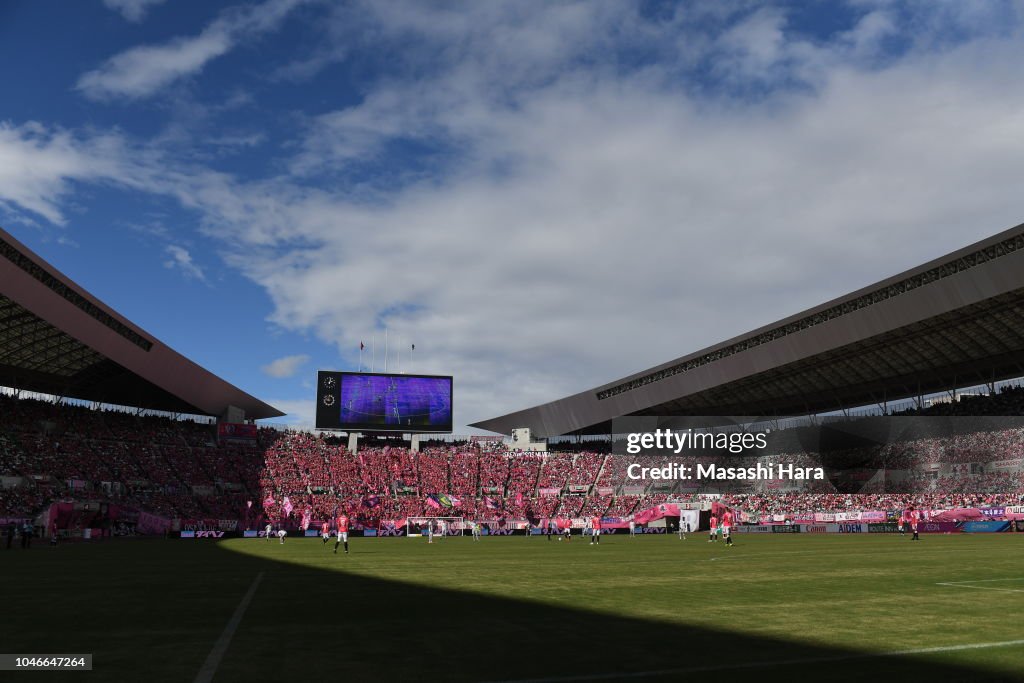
column 970, row 584
column 768, row 664
column 206, row 673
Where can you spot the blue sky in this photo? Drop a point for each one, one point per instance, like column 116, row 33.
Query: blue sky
column 541, row 196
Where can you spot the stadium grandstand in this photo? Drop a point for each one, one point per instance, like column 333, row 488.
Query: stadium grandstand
column 76, row 464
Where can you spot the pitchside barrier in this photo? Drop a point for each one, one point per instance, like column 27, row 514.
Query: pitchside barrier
column 882, row 528
column 519, row 529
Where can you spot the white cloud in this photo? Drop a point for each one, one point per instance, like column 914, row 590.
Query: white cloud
column 597, row 223
column 132, row 10
column 285, row 367
column 299, row 414
column 181, row 260
column 591, row 216
column 144, row 70
column 38, row 166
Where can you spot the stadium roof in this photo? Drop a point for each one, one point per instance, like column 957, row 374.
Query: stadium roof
column 953, row 322
column 56, row 338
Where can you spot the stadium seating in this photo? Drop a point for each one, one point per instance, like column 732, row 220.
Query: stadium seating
column 176, row 469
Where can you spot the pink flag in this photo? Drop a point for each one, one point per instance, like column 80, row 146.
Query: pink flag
column 288, row 507
column 248, row 503
column 306, row 517
column 268, row 501
column 433, row 503
column 519, row 499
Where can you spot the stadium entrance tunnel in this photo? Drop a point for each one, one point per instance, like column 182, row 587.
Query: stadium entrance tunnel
column 155, row 610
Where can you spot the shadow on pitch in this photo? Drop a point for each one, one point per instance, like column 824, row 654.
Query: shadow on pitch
column 307, row 624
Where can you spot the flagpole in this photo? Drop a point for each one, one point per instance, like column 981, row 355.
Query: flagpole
column 360, row 356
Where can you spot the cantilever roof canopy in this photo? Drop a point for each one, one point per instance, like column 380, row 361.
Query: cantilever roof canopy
column 56, row 338
column 952, row 322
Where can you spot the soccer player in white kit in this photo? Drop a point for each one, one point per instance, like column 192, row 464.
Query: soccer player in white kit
column 269, row 531
column 430, row 532
column 281, row 533
column 475, row 526
column 632, row 528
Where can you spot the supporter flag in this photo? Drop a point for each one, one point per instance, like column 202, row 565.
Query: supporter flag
column 287, row 506
column 433, row 502
column 268, row 501
column 492, row 503
column 371, row 501
column 307, row 515
column 454, row 501
column 519, row 499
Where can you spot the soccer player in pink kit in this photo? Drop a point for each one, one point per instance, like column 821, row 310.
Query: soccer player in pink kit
column 915, row 516
column 342, row 522
column 727, row 527
column 714, row 528
column 595, row 531
column 325, row 531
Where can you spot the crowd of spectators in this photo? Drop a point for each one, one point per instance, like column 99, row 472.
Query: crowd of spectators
column 179, row 469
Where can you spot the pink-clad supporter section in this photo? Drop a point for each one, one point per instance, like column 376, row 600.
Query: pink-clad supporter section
column 85, row 468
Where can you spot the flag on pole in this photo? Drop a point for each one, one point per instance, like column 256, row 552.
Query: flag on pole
column 307, row 515
column 440, row 500
column 287, row 507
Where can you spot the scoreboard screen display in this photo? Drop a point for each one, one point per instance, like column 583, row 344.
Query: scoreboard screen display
column 378, row 402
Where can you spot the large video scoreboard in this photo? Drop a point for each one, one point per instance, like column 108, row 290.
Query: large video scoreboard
column 377, row 402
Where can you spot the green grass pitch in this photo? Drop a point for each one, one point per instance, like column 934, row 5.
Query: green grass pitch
column 653, row 608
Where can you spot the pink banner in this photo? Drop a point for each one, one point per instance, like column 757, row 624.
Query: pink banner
column 152, row 524
column 959, row 515
column 656, row 512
